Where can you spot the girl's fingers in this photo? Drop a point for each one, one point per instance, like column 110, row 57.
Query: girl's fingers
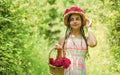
column 88, row 22
column 58, row 47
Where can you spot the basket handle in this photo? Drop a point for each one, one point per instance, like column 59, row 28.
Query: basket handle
column 59, row 54
column 50, row 52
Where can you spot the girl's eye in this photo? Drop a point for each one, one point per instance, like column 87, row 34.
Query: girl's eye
column 71, row 19
column 77, row 18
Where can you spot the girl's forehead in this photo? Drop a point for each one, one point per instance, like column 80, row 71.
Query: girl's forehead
column 75, row 15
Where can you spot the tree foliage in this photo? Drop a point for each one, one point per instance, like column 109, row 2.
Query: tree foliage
column 30, row 28
column 114, row 36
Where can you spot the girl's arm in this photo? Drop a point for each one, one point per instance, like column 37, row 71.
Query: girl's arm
column 59, row 48
column 91, row 39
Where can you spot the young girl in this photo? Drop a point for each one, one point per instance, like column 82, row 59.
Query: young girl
column 75, row 43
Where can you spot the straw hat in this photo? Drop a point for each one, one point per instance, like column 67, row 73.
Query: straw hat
column 73, row 10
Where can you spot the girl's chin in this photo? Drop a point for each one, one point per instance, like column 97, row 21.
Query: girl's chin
column 75, row 27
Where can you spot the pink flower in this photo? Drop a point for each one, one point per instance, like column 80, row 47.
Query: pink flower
column 51, row 61
column 67, row 10
column 65, row 62
column 74, row 9
column 58, row 62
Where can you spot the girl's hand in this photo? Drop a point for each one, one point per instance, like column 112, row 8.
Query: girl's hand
column 58, row 47
column 88, row 23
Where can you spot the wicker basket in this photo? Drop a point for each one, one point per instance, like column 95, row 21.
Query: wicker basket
column 55, row 70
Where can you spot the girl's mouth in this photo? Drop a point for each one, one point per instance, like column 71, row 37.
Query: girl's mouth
column 75, row 25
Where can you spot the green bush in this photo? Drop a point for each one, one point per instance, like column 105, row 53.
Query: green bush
column 30, row 28
column 114, row 36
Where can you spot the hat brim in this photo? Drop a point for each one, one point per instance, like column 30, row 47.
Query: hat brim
column 65, row 17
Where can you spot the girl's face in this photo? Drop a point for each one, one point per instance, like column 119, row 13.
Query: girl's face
column 75, row 21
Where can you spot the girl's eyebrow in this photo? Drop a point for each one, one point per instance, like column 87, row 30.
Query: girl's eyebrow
column 74, row 17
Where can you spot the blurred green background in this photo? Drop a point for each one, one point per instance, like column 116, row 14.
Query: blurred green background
column 30, row 28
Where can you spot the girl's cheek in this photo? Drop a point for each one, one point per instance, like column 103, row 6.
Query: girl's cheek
column 71, row 23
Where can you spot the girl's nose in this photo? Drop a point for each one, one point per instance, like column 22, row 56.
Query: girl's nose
column 75, row 21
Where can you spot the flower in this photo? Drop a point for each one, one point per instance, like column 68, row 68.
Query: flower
column 58, row 62
column 51, row 61
column 65, row 62
column 73, row 9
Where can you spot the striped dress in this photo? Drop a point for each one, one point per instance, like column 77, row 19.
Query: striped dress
column 75, row 50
